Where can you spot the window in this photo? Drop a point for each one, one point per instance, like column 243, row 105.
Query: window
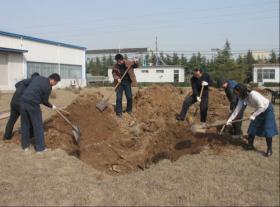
column 46, row 69
column 145, row 71
column 269, row 74
column 71, row 71
column 159, row 71
column 176, row 71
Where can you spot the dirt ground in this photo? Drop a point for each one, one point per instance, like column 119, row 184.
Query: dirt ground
column 159, row 160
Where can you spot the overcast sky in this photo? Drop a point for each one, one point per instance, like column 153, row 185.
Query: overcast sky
column 179, row 24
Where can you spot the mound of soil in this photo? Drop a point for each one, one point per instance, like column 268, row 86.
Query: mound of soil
column 151, row 133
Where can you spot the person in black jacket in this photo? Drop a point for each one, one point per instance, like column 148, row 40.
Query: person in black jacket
column 228, row 86
column 15, row 105
column 198, row 80
column 36, row 93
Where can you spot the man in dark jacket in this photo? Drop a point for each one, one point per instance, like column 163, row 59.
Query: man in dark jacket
column 198, row 80
column 36, row 93
column 125, row 84
column 15, row 105
column 228, row 86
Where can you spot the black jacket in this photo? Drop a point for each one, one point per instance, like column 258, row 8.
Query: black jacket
column 196, row 84
column 20, row 87
column 38, row 91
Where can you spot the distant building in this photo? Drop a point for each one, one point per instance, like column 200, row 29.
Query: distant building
column 129, row 52
column 266, row 73
column 21, row 55
column 157, row 74
column 261, row 55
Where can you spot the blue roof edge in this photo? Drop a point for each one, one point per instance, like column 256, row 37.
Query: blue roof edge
column 9, row 34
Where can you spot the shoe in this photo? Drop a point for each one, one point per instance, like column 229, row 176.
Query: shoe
column 42, row 151
column 249, row 147
column 268, row 153
column 179, row 118
column 119, row 116
column 236, row 136
column 26, row 149
column 129, row 112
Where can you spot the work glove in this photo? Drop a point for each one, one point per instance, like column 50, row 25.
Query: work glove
column 54, row 107
column 228, row 122
column 198, row 99
column 252, row 117
column 204, row 83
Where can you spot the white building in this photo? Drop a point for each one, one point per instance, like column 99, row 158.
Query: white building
column 21, row 55
column 157, row 74
column 266, row 73
column 129, row 52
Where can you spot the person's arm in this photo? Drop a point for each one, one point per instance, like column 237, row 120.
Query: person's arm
column 194, row 88
column 260, row 102
column 115, row 73
column 236, row 111
column 45, row 99
column 232, row 98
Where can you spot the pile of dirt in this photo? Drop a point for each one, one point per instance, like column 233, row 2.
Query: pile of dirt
column 150, row 134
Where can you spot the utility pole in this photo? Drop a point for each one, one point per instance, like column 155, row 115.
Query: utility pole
column 157, row 55
column 158, row 59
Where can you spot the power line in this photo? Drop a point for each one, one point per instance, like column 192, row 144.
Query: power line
column 171, row 26
column 61, row 32
column 151, row 14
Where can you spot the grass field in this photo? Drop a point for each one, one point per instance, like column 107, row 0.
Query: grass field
column 236, row 178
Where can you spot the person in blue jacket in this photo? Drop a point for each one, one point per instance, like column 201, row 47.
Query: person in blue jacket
column 228, row 86
column 37, row 92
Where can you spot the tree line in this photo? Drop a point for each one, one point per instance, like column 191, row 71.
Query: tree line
column 222, row 64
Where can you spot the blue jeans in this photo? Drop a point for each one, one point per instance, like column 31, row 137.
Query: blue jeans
column 125, row 87
column 31, row 116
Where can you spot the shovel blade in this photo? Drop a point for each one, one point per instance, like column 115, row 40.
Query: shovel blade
column 102, row 105
column 76, row 133
column 196, row 128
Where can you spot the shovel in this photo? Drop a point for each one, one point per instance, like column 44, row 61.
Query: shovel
column 75, row 129
column 197, row 128
column 191, row 118
column 103, row 104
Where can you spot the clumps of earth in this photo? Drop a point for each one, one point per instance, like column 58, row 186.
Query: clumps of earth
column 134, row 142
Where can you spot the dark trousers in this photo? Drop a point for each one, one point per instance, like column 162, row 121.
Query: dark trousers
column 190, row 100
column 236, row 127
column 31, row 116
column 14, row 114
column 125, row 87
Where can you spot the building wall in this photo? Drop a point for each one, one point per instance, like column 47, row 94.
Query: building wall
column 41, row 53
column 15, row 68
column 275, row 80
column 153, row 76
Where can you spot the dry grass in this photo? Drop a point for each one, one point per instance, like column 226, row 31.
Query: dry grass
column 237, row 178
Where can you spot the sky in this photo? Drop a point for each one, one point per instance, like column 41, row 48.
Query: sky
column 179, row 25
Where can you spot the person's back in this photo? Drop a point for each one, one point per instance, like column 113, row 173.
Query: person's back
column 38, row 91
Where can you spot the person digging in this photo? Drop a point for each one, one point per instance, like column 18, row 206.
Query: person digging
column 228, row 86
column 15, row 106
column 37, row 92
column 199, row 80
column 119, row 69
column 263, row 122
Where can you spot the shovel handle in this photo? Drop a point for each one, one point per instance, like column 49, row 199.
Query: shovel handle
column 235, row 121
column 200, row 95
column 65, row 118
column 118, row 84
